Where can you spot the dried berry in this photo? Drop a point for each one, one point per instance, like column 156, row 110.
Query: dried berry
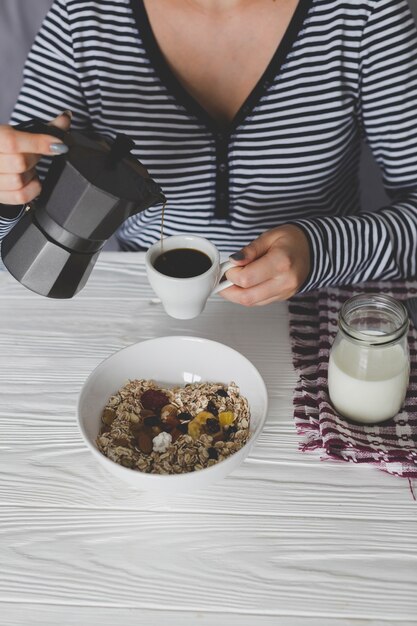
column 230, row 430
column 175, row 434
column 213, row 453
column 170, row 423
column 154, row 399
column 212, row 408
column 151, row 420
column 185, row 416
column 222, row 393
column 183, row 428
column 108, row 416
column 123, row 441
column 212, row 425
column 220, row 436
column 144, row 442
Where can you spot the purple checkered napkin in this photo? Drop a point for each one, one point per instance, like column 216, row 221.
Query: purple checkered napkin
column 391, row 445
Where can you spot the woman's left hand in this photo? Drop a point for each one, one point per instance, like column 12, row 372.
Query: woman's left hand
column 273, row 267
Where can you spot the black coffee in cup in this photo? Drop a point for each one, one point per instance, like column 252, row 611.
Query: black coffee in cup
column 182, row 263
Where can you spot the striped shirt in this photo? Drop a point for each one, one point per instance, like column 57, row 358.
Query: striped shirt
column 346, row 70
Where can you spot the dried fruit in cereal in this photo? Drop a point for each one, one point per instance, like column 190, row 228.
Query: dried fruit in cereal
column 184, row 416
column 230, row 430
column 213, row 453
column 175, row 434
column 108, row 416
column 212, row 425
column 154, row 399
column 226, row 418
column 151, row 420
column 203, row 416
column 222, row 393
column 144, row 442
column 168, row 412
column 194, row 429
column 212, row 408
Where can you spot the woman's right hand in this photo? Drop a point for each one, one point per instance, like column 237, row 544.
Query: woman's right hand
column 19, row 153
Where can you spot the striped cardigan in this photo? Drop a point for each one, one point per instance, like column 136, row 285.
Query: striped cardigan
column 346, row 70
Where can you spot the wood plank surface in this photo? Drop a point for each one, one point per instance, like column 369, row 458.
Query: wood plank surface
column 286, row 539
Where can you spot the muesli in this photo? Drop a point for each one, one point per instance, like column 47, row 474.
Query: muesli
column 173, row 430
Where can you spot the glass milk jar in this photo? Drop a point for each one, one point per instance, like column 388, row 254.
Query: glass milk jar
column 369, row 362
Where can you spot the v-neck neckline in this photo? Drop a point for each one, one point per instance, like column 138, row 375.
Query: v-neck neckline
column 184, row 97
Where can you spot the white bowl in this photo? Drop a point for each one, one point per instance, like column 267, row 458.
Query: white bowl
column 171, row 361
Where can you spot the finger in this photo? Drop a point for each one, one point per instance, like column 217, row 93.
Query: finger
column 274, row 289
column 254, row 250
column 14, row 182
column 17, row 163
column 19, row 142
column 261, row 269
column 63, row 121
column 14, row 141
column 22, row 196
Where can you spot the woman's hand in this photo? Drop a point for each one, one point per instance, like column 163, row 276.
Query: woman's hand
column 19, row 153
column 273, row 267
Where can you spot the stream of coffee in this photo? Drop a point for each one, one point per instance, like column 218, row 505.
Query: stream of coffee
column 162, row 226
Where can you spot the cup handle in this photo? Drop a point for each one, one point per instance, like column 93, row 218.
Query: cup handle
column 226, row 265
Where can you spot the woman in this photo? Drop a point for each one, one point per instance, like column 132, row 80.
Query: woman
column 250, row 114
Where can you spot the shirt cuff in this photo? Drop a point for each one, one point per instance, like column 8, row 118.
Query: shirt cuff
column 320, row 263
column 7, row 223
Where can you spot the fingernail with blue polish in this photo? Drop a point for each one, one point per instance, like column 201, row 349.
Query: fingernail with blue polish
column 58, row 148
column 238, row 256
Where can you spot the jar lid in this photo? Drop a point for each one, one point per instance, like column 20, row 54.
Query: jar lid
column 373, row 319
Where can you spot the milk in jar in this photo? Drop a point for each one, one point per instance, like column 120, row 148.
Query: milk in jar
column 369, row 360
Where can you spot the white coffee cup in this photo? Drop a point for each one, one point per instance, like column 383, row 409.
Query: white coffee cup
column 185, row 298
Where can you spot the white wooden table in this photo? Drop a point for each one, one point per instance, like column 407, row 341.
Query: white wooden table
column 285, row 540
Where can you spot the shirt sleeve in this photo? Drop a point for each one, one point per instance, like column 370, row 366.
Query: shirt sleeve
column 383, row 244
column 51, row 83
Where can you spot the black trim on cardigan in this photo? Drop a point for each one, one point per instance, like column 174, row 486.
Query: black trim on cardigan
column 222, row 133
